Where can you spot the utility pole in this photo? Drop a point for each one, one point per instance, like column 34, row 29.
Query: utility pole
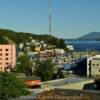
column 50, row 17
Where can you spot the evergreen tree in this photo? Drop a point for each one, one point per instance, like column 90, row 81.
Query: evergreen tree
column 44, row 70
column 24, row 65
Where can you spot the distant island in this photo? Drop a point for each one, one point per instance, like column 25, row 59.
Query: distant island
column 89, row 36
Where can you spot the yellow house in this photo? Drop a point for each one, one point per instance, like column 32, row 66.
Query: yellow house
column 37, row 49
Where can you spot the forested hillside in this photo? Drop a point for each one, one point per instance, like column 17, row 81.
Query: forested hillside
column 9, row 36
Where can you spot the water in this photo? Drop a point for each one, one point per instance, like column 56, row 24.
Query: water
column 84, row 45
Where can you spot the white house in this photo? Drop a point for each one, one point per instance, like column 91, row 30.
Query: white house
column 93, row 66
column 70, row 47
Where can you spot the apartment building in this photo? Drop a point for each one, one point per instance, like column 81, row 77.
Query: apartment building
column 7, row 57
column 93, row 66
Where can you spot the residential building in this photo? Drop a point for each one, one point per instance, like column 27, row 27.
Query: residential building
column 43, row 54
column 7, row 57
column 21, row 46
column 50, row 53
column 59, row 51
column 37, row 49
column 47, row 53
column 70, row 47
column 93, row 66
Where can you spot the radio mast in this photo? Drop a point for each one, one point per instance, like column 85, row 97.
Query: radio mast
column 50, row 18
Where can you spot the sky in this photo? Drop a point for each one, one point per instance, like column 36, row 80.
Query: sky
column 70, row 18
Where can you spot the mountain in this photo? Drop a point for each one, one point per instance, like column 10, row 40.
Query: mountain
column 90, row 36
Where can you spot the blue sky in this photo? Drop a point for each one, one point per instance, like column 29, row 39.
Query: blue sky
column 70, row 18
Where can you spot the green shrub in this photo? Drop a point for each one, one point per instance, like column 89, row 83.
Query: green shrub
column 11, row 87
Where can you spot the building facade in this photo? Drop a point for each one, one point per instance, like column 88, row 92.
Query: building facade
column 93, row 66
column 7, row 57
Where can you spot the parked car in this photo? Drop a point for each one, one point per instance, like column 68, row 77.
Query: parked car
column 33, row 83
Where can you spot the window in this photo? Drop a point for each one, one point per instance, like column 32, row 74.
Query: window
column 6, row 54
column 97, row 64
column 6, row 58
column 0, row 63
column 0, row 49
column 93, row 64
column 6, row 49
column 0, row 54
column 0, row 58
column 6, row 63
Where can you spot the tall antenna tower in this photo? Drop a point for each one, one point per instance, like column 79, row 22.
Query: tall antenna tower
column 50, row 17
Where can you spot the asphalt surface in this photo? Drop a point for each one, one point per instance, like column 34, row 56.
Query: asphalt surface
column 62, row 82
column 65, row 81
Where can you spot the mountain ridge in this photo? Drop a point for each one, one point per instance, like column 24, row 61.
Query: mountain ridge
column 90, row 36
column 12, row 37
column 7, row 35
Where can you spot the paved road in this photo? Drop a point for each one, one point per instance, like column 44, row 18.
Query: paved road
column 54, row 84
column 62, row 82
column 51, row 85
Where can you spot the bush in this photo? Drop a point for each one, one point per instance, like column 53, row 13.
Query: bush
column 11, row 87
